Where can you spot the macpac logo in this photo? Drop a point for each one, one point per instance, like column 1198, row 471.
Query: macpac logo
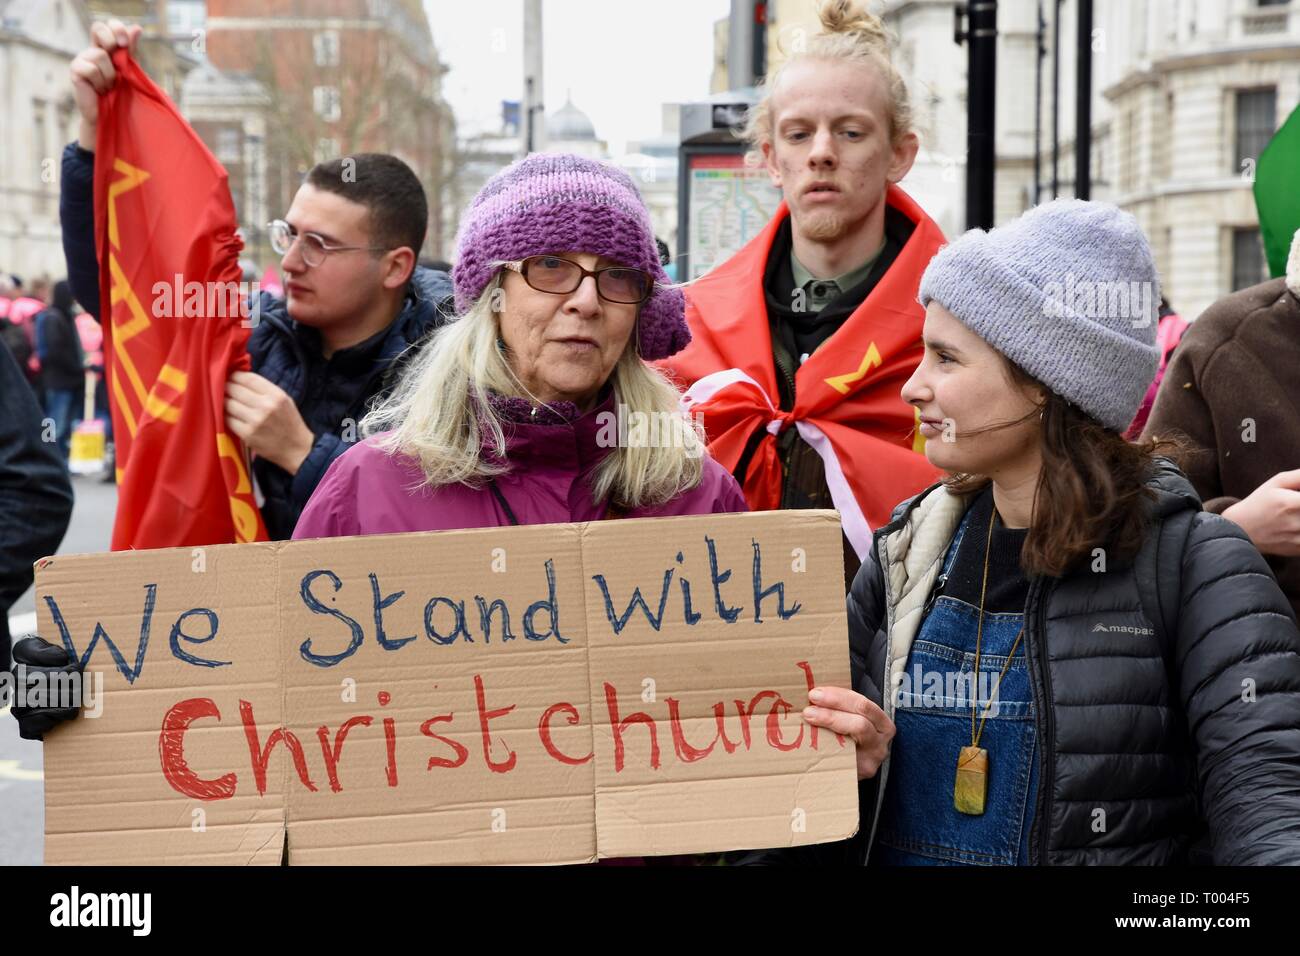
column 1122, row 629
column 102, row 909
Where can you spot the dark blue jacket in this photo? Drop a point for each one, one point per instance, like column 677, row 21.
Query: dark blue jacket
column 35, row 493
column 332, row 395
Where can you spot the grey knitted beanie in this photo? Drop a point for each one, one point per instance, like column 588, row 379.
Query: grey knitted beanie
column 1068, row 292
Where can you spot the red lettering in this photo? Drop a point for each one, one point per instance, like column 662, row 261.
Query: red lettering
column 808, row 677
column 544, row 731
column 774, row 726
column 462, row 752
column 261, row 756
column 333, row 754
column 618, row 726
column 719, row 718
column 171, row 751
column 685, row 752
column 390, row 741
column 484, row 716
column 746, row 713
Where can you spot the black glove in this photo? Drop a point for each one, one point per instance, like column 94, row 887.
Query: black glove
column 36, row 654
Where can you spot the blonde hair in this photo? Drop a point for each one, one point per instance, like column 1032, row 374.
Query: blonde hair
column 849, row 34
column 441, row 415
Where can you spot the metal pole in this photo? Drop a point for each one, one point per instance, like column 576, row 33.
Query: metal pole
column 981, row 81
column 741, row 44
column 1083, row 104
column 1040, row 51
column 1056, row 97
column 534, row 101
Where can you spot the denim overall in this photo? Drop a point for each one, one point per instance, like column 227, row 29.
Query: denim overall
column 918, row 824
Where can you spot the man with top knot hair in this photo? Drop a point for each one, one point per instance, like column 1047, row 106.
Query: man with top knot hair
column 802, row 340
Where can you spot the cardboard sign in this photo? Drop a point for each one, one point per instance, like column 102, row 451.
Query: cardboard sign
column 543, row 694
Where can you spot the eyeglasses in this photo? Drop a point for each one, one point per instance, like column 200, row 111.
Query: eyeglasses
column 314, row 248
column 561, row 276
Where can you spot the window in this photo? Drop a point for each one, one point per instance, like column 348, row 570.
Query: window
column 230, row 144
column 43, row 159
column 1256, row 122
column 1165, row 141
column 1248, row 264
column 1130, row 167
column 326, row 101
column 326, row 45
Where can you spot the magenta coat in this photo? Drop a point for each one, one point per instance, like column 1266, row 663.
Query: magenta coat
column 367, row 491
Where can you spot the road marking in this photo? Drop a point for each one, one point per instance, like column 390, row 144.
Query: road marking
column 9, row 770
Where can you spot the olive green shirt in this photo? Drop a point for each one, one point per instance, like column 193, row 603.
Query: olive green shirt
column 822, row 291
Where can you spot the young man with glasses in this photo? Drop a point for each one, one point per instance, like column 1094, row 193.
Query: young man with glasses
column 354, row 298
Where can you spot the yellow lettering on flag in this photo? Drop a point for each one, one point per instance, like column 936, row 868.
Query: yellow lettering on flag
column 121, row 292
column 241, row 511
column 918, row 440
column 871, row 360
column 131, row 178
column 170, row 377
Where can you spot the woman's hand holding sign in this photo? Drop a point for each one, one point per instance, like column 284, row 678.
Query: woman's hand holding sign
column 847, row 712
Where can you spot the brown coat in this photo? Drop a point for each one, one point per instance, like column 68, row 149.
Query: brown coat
column 1233, row 389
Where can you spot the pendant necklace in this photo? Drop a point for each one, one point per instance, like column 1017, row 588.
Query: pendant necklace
column 971, row 788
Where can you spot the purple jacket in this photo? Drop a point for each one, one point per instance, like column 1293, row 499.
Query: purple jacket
column 367, row 491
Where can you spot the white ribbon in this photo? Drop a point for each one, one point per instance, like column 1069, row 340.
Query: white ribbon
column 856, row 527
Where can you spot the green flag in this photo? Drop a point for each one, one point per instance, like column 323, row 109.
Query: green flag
column 1277, row 192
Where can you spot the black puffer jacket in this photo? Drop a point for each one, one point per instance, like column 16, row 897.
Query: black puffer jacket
column 1167, row 689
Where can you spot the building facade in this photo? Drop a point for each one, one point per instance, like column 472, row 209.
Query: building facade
column 38, row 116
column 1185, row 94
column 291, row 83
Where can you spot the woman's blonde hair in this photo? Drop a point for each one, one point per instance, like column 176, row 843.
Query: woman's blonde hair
column 441, row 415
column 849, row 33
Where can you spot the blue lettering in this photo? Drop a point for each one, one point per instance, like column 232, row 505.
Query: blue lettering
column 550, row 605
column 759, row 592
column 728, row 614
column 146, row 621
column 316, row 607
column 178, row 632
column 381, row 603
column 692, row 617
column 620, row 621
column 432, row 632
column 485, row 612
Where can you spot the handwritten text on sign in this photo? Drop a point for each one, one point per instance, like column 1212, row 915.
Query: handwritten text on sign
column 537, row 694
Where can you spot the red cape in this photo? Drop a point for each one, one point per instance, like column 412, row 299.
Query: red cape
column 847, row 403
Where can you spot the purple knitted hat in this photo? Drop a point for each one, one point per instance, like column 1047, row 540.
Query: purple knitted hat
column 561, row 202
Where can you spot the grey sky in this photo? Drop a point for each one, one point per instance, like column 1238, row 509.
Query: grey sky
column 620, row 58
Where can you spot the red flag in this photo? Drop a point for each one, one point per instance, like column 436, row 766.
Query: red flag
column 175, row 326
